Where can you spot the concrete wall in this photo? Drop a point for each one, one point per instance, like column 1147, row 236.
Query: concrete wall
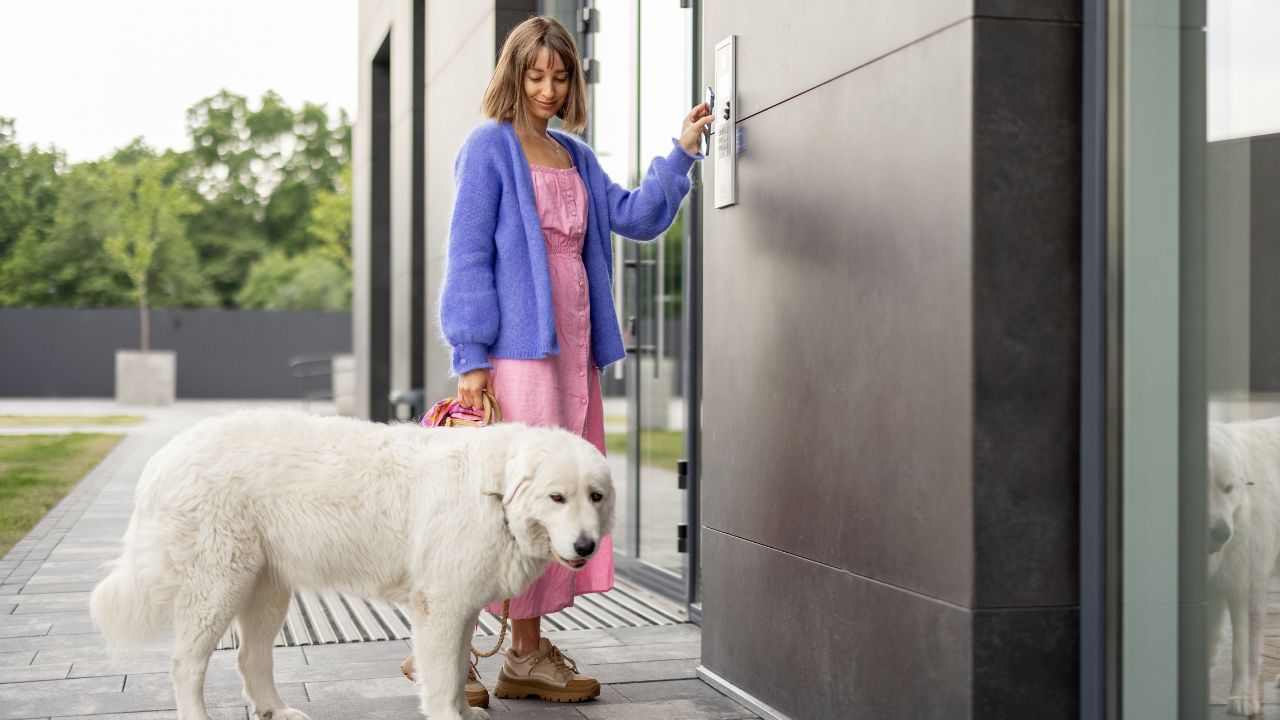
column 1242, row 264
column 1264, row 265
column 1227, row 270
column 220, row 354
column 906, row 244
column 456, row 46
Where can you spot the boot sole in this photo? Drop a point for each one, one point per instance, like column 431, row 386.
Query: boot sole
column 518, row 691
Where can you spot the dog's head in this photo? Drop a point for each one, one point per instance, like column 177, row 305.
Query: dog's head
column 558, row 495
column 1227, row 486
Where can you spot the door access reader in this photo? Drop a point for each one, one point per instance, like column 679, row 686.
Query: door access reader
column 726, row 113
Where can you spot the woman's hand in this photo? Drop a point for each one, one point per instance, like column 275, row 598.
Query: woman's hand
column 471, row 387
column 694, row 124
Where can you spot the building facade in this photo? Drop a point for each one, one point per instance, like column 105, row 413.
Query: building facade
column 915, row 425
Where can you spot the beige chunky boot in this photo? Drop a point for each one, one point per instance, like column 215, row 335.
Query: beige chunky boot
column 544, row 673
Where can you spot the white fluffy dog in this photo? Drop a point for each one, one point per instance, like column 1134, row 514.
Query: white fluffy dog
column 1244, row 545
column 236, row 512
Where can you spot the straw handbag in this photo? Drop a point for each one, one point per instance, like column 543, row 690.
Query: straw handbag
column 450, row 412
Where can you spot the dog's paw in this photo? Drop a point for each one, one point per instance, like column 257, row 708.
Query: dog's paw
column 472, row 713
column 285, row 714
column 1243, row 705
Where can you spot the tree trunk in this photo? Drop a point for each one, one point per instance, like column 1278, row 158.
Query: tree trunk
column 144, row 320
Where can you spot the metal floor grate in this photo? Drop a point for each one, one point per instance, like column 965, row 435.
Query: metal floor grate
column 327, row 618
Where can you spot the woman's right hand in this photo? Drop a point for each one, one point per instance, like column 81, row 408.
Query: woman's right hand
column 471, row 387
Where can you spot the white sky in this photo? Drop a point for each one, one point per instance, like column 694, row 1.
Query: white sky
column 1243, row 68
column 90, row 75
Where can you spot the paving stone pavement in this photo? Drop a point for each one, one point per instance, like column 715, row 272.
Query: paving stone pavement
column 53, row 666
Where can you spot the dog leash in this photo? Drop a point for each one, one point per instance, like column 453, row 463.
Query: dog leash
column 450, row 412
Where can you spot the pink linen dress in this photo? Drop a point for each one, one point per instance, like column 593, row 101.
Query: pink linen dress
column 559, row 390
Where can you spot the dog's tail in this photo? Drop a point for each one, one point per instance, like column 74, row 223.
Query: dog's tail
column 122, row 609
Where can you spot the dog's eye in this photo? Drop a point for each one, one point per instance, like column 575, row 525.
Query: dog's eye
column 597, row 497
column 1227, row 490
column 557, row 497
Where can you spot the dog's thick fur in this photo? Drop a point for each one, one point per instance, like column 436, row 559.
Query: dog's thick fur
column 236, row 512
column 1244, row 546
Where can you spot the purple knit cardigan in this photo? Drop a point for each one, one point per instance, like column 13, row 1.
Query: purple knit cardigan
column 496, row 297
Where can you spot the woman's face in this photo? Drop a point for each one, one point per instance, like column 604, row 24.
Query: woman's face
column 546, row 84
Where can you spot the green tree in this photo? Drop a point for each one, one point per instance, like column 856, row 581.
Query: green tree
column 309, row 281
column 28, row 189
column 330, row 221
column 149, row 210
column 260, row 172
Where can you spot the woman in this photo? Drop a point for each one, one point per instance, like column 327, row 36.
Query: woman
column 527, row 300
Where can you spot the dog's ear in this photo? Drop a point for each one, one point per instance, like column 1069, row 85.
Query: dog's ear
column 524, row 454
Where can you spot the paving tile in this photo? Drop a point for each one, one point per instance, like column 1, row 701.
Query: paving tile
column 53, row 598
column 86, row 642
column 155, row 660
column 93, row 705
column 571, row 639
column 59, row 587
column 74, row 626
column 397, row 708
column 665, row 690
column 7, row 608
column 609, row 695
column 646, row 671
column 11, row 692
column 67, row 566
column 17, row 659
column 684, row 632
column 157, row 691
column 340, row 671
column 26, row 606
column 221, row 713
column 393, row 650
column 538, row 710
column 29, row 673
column 35, row 619
column 637, row 653
column 721, row 708
column 25, row 630
column 368, row 688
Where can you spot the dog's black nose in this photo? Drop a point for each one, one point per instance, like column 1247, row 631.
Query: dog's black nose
column 1219, row 534
column 584, row 546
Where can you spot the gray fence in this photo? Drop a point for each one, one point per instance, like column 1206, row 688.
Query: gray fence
column 220, row 353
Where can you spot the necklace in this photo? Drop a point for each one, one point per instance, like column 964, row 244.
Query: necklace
column 555, row 146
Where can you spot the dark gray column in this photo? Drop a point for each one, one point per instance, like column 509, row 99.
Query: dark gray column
column 379, row 315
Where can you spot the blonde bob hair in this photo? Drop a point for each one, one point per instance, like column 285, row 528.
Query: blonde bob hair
column 505, row 99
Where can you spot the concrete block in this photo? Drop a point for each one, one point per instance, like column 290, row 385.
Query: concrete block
column 146, row 379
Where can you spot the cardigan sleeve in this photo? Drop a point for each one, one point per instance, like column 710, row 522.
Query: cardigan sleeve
column 469, row 296
column 644, row 213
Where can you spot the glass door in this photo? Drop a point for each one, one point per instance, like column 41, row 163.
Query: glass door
column 645, row 84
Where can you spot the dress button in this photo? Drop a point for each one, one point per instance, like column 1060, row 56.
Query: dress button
column 584, row 401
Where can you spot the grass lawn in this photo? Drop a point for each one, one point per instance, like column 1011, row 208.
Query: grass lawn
column 663, row 447
column 66, row 420
column 36, row 471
